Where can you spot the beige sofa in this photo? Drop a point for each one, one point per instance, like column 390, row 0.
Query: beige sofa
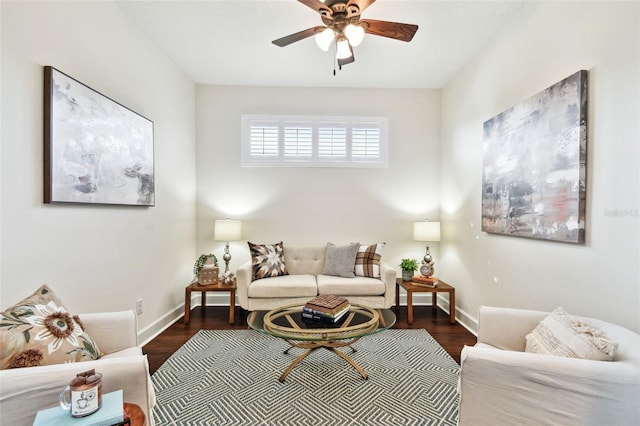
column 25, row 391
column 501, row 384
column 305, row 281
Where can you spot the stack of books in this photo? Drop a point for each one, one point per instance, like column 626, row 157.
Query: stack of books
column 423, row 281
column 325, row 309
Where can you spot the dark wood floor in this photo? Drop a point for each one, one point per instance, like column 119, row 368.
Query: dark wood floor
column 452, row 337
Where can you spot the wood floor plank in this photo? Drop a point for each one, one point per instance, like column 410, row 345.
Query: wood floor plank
column 452, row 337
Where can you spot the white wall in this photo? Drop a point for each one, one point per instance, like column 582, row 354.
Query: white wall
column 546, row 43
column 318, row 205
column 104, row 258
column 97, row 258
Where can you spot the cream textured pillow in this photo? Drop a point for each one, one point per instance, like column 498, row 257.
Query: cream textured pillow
column 564, row 335
column 368, row 260
column 40, row 331
column 340, row 260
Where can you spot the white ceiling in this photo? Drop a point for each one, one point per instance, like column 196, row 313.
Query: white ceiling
column 228, row 42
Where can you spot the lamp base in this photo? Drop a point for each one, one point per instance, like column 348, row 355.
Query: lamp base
column 226, row 257
column 427, row 256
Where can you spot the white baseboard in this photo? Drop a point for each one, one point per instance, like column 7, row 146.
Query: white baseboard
column 216, row 299
column 148, row 333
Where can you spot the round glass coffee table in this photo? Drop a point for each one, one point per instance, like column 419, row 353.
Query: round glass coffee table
column 288, row 324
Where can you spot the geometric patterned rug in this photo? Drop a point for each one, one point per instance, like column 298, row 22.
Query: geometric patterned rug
column 230, row 377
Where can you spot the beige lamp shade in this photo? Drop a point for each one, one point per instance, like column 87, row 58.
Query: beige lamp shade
column 426, row 231
column 228, row 230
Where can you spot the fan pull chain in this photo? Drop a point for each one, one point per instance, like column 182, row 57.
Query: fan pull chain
column 335, row 60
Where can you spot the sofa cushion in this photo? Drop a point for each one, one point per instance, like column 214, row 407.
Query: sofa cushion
column 564, row 335
column 368, row 260
column 286, row 286
column 340, row 260
column 267, row 260
column 358, row 286
column 40, row 331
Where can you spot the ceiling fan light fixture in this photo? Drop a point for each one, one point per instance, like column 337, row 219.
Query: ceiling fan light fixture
column 343, row 50
column 324, row 39
column 355, row 34
column 342, row 25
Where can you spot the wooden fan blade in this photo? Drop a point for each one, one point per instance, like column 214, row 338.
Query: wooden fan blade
column 362, row 4
column 318, row 6
column 395, row 30
column 292, row 38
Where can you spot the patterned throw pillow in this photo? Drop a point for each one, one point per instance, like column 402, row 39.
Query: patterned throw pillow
column 368, row 260
column 40, row 331
column 267, row 260
column 561, row 334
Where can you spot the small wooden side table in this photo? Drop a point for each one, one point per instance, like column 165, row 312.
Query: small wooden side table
column 135, row 413
column 441, row 287
column 219, row 286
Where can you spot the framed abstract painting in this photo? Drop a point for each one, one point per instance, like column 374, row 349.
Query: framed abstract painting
column 534, row 165
column 96, row 151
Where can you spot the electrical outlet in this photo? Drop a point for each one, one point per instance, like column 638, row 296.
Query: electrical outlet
column 139, row 306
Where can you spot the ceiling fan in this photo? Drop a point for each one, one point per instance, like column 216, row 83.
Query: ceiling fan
column 344, row 27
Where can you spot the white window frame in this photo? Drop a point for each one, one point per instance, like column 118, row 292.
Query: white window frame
column 303, row 126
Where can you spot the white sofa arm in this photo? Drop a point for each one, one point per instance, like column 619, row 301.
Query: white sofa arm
column 25, row 391
column 506, row 328
column 388, row 276
column 501, row 387
column 112, row 331
column 244, row 275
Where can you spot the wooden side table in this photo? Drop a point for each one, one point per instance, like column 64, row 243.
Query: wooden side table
column 219, row 286
column 135, row 413
column 441, row 287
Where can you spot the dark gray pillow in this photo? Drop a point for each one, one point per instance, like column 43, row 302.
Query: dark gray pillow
column 340, row 260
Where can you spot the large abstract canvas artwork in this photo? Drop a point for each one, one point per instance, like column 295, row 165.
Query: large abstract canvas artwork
column 96, row 151
column 534, row 165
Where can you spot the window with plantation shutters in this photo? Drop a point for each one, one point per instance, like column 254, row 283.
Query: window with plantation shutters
column 263, row 141
column 317, row 141
column 332, row 141
column 365, row 142
column 298, row 141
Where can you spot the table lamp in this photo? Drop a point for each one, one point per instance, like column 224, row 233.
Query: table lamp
column 227, row 230
column 429, row 232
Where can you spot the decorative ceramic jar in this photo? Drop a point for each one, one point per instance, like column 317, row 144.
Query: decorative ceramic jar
column 208, row 274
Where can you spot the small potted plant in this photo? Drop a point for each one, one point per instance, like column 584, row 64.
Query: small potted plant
column 206, row 269
column 408, row 266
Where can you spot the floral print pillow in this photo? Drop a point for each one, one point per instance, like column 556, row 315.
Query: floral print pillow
column 40, row 331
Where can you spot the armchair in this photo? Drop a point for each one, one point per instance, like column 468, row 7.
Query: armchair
column 25, row 391
column 501, row 384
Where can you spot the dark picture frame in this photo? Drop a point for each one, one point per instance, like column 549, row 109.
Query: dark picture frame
column 96, row 151
column 534, row 165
